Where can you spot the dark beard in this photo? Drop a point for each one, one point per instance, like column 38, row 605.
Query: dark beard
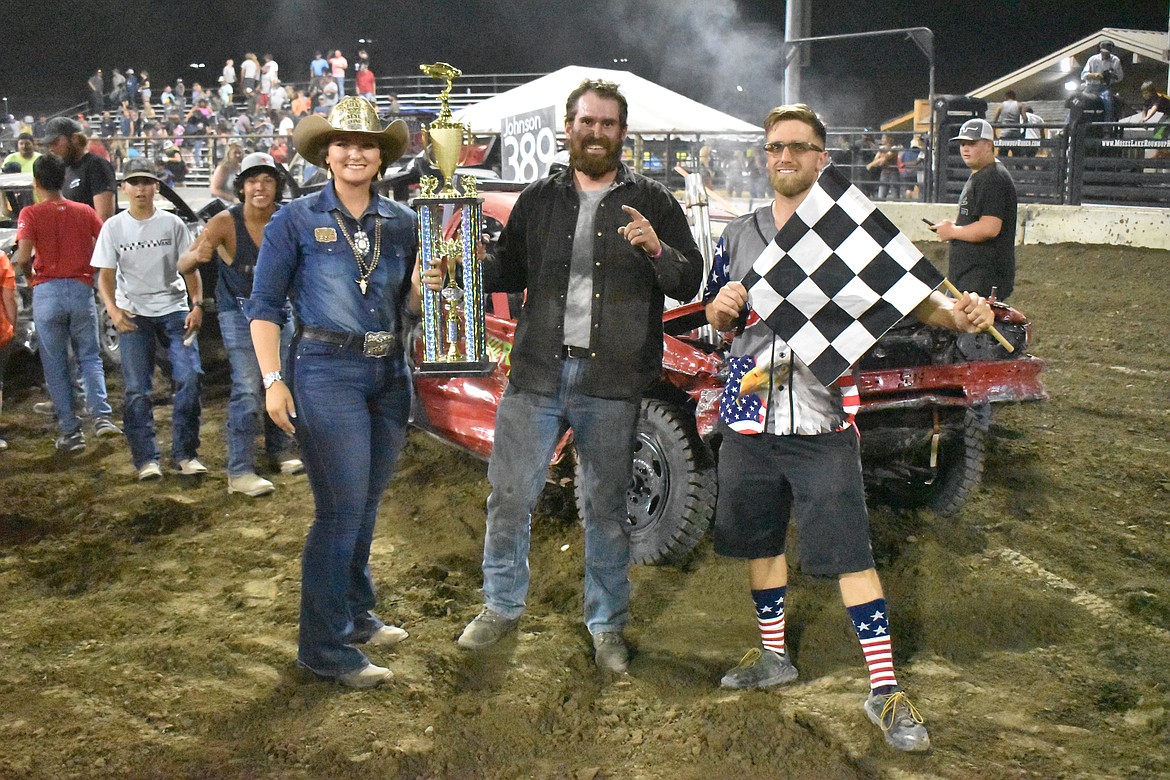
column 594, row 167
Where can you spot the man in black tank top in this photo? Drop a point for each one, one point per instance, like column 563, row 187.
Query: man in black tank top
column 232, row 238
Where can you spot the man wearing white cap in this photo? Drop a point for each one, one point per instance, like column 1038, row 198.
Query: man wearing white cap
column 152, row 304
column 983, row 238
column 232, row 237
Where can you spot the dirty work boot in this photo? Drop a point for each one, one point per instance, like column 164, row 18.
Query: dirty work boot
column 760, row 669
column 250, row 484
column 366, row 677
column 487, row 629
column 387, row 636
column 610, row 652
column 899, row 719
column 290, row 466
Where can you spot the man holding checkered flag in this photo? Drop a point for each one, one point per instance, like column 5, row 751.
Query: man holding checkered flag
column 810, row 282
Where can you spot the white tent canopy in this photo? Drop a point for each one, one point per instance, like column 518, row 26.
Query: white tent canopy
column 653, row 109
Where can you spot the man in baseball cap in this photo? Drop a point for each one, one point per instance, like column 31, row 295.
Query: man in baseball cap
column 232, row 239
column 983, row 238
column 88, row 178
column 57, row 127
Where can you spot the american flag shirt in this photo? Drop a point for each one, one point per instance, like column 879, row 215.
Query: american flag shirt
column 792, row 401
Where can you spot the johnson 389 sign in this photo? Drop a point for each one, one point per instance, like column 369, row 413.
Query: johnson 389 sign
column 529, row 142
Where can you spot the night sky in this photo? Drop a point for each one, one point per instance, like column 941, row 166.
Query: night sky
column 703, row 49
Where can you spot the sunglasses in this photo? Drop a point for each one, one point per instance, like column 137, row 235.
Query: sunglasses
column 796, row 147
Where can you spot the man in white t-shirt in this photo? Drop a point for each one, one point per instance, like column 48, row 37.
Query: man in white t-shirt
column 137, row 256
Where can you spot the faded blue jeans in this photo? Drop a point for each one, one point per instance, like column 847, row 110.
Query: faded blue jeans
column 528, row 427
column 246, row 412
column 64, row 314
column 351, row 421
column 137, row 348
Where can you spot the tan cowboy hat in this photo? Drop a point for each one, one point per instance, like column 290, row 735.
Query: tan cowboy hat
column 351, row 115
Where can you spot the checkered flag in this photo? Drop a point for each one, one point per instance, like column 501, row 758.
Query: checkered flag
column 836, row 277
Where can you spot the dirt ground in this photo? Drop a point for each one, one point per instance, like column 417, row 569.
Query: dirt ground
column 149, row 630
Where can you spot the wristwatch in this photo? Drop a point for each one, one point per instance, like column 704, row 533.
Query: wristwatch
column 272, row 377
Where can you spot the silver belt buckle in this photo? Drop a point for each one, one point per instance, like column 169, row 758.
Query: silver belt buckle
column 379, row 343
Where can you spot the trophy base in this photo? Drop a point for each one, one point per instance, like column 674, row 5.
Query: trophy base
column 453, row 368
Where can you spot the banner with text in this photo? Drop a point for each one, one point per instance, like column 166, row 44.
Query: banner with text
column 528, row 142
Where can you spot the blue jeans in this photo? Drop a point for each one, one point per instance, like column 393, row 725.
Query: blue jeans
column 64, row 314
column 246, row 404
column 351, row 421
column 137, row 348
column 528, row 427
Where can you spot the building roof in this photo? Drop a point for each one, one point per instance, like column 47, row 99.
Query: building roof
column 1144, row 55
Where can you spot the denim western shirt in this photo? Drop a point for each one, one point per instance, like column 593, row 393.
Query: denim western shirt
column 305, row 258
column 535, row 252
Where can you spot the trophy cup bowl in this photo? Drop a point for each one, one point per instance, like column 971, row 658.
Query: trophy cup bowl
column 453, row 339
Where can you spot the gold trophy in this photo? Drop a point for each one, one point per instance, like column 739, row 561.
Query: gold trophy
column 454, row 342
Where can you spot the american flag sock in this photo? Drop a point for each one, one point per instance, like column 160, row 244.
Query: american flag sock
column 871, row 622
column 770, row 616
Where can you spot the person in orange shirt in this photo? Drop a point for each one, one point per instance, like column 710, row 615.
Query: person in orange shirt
column 7, row 321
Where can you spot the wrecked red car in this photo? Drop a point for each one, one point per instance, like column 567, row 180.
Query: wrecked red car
column 926, row 396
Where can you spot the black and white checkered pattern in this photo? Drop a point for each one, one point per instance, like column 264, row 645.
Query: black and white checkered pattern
column 837, row 276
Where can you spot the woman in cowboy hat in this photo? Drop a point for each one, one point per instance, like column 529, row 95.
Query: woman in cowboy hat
column 345, row 257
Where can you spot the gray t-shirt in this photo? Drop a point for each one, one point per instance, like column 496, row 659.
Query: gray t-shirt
column 579, row 301
column 146, row 256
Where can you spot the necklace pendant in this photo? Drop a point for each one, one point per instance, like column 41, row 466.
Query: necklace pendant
column 361, row 283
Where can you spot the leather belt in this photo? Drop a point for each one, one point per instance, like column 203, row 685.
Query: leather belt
column 375, row 343
column 570, row 351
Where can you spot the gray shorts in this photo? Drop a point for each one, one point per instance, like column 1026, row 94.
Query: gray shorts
column 763, row 477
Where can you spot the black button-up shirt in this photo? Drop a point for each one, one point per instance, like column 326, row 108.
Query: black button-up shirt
column 535, row 252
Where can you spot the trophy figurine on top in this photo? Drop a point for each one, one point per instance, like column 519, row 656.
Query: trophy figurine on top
column 454, row 342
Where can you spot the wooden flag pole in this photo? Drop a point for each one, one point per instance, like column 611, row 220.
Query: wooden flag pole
column 990, row 328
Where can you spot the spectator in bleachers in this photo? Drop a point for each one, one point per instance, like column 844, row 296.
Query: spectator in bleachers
column 1101, row 73
column 167, row 98
column 223, row 179
column 144, row 90
column 269, row 74
column 132, row 87
column 117, row 88
column 364, row 82
column 910, row 170
column 228, row 76
column 1009, row 113
column 318, row 67
column 249, row 76
column 180, row 92
column 196, row 93
column 96, row 85
column 301, row 106
column 337, row 66
column 885, row 165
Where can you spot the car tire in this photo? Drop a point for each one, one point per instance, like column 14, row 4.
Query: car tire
column 671, row 498
column 906, row 481
column 107, row 337
column 963, row 470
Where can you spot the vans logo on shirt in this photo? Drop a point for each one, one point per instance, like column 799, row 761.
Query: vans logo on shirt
column 152, row 244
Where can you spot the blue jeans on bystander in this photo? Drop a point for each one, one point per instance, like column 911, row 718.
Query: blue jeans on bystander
column 246, row 413
column 528, row 427
column 64, row 314
column 137, row 348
